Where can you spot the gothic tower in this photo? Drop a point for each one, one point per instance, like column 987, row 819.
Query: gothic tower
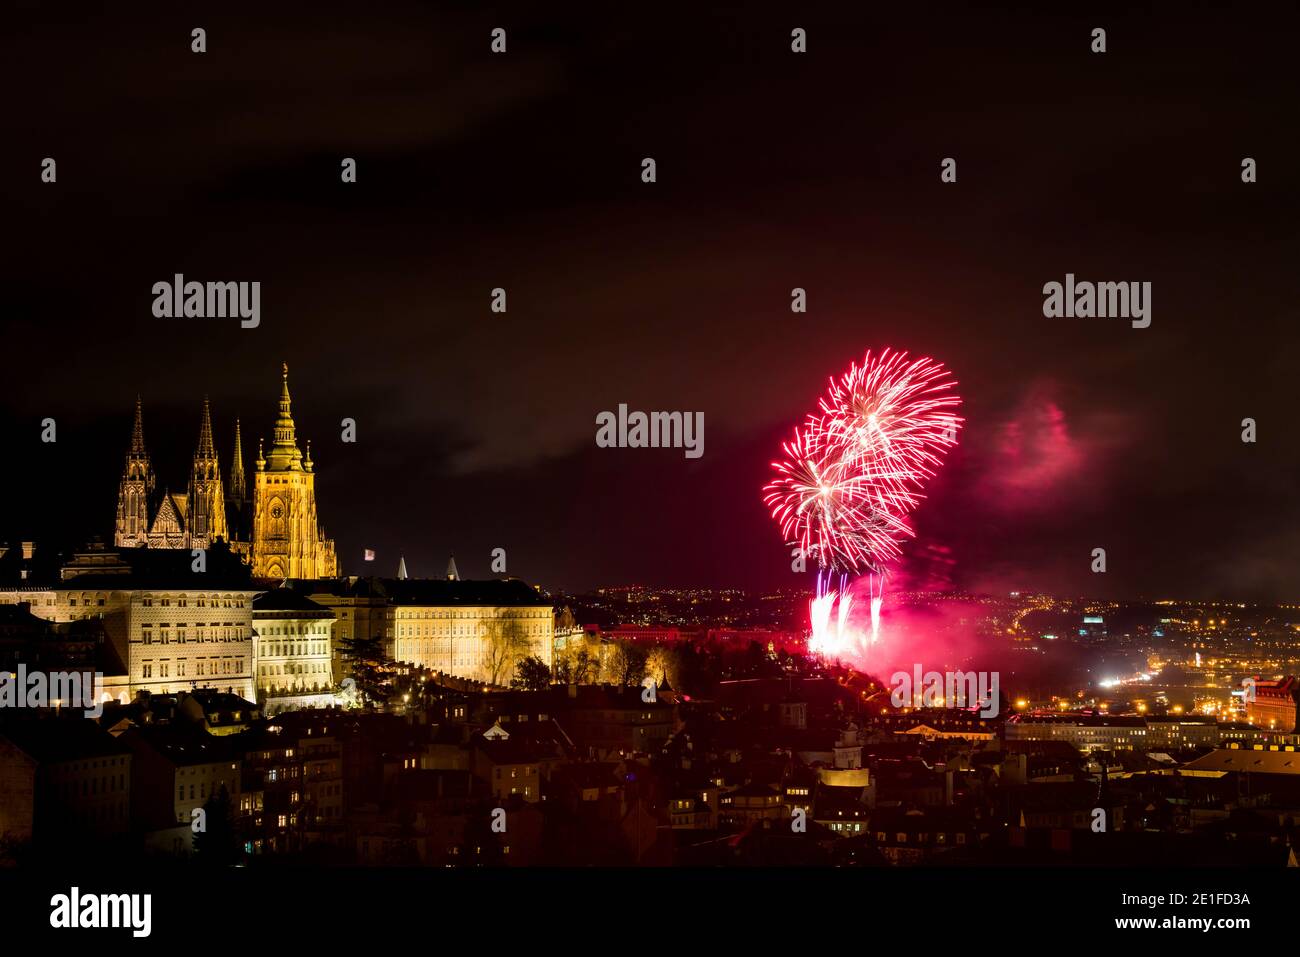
column 206, row 504
column 238, row 486
column 132, row 527
column 287, row 539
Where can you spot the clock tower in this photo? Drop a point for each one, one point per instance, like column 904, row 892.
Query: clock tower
column 287, row 538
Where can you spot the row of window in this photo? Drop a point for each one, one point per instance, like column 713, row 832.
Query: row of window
column 298, row 668
column 202, row 791
column 278, row 650
column 198, row 602
column 217, row 634
column 203, row 667
column 449, row 613
column 91, row 786
column 278, row 630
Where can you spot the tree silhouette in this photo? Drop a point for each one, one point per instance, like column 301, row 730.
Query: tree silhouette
column 217, row 843
column 368, row 665
column 531, row 674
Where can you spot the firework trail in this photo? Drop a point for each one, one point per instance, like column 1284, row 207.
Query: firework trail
column 851, row 475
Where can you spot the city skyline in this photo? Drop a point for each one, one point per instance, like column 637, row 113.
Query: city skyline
column 452, row 451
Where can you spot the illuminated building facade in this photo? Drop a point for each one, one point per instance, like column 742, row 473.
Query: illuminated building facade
column 473, row 629
column 193, row 519
column 479, row 630
column 1274, row 704
column 167, row 628
column 293, row 647
column 281, row 536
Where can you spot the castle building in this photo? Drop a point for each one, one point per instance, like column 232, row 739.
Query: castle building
column 478, row 630
column 277, row 530
column 472, row 629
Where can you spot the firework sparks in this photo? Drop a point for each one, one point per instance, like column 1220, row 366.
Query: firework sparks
column 854, row 471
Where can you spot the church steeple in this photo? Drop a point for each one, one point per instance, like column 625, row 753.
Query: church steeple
column 207, row 510
column 137, row 432
column 137, row 460
column 238, row 484
column 287, row 538
column 207, row 448
column 285, row 455
column 131, row 529
column 453, row 574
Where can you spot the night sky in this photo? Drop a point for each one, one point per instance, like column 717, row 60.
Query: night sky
column 775, row 170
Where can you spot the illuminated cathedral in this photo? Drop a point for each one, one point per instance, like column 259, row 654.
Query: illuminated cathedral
column 276, row 530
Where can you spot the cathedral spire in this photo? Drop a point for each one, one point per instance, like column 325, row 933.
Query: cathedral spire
column 285, row 455
column 238, row 485
column 401, row 568
column 131, row 529
column 137, row 433
column 453, row 574
column 205, row 500
column 207, row 448
column 137, row 460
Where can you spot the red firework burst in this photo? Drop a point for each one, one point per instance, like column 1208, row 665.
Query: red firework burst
column 856, row 468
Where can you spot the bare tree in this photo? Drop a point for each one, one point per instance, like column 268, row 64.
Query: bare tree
column 505, row 644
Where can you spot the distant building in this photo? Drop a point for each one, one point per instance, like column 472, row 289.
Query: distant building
column 1175, row 732
column 1085, row 732
column 272, row 791
column 602, row 722
column 277, row 530
column 43, row 645
column 651, row 634
column 293, row 648
column 63, row 782
column 510, row 767
column 750, row 804
column 166, row 626
column 176, row 769
column 1093, row 630
column 1274, row 704
column 471, row 629
column 320, row 754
